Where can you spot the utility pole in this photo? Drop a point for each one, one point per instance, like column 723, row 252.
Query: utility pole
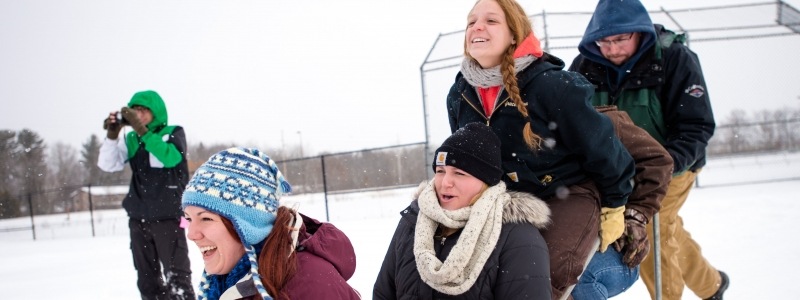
column 300, row 136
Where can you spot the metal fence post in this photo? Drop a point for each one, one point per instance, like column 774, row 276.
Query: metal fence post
column 325, row 188
column 91, row 209
column 30, row 210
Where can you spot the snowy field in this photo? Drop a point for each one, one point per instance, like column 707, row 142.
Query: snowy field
column 742, row 215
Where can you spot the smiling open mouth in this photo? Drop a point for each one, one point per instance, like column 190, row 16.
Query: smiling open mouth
column 208, row 250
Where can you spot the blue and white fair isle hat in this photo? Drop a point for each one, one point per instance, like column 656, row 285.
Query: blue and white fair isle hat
column 243, row 185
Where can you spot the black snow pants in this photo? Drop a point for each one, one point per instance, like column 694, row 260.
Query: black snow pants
column 161, row 243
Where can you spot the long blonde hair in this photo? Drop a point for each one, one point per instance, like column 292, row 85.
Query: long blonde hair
column 520, row 27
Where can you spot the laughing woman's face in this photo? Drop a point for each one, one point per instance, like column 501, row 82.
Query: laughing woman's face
column 487, row 36
column 221, row 250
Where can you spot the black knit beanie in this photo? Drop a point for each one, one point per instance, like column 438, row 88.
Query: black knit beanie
column 475, row 149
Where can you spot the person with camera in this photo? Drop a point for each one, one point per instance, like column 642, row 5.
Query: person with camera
column 156, row 152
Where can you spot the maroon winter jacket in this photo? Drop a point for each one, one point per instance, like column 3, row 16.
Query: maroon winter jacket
column 326, row 260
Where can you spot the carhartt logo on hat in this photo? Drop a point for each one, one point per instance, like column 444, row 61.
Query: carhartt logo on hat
column 441, row 157
column 474, row 149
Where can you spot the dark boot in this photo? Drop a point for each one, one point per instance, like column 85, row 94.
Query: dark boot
column 723, row 285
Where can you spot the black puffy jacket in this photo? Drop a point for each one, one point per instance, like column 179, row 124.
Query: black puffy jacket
column 518, row 268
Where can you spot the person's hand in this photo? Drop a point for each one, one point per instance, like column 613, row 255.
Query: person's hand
column 133, row 119
column 612, row 225
column 633, row 244
column 112, row 126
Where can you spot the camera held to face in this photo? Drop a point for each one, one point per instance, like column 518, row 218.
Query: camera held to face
column 121, row 119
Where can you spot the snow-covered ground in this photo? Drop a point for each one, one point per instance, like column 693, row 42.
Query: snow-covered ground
column 743, row 216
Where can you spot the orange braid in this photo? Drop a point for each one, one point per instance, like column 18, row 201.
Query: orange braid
column 533, row 140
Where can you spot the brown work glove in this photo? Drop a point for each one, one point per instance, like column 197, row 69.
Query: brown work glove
column 133, row 119
column 633, row 244
column 112, row 127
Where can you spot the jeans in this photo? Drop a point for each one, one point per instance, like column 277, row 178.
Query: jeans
column 605, row 276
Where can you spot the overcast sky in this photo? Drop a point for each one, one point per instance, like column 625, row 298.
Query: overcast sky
column 336, row 75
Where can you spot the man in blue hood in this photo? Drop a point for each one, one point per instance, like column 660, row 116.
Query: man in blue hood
column 647, row 71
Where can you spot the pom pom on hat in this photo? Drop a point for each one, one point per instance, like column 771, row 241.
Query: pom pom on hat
column 474, row 149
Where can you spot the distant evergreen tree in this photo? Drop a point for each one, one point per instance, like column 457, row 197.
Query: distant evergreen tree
column 33, row 169
column 9, row 197
column 89, row 155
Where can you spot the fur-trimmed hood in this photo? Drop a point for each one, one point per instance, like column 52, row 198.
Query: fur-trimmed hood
column 523, row 207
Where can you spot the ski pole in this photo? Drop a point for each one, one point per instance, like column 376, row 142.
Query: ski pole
column 657, row 255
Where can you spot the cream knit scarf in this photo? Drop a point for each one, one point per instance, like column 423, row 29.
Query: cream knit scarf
column 481, row 222
column 477, row 76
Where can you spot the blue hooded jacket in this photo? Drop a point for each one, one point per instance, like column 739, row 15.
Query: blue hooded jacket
column 661, row 87
column 613, row 17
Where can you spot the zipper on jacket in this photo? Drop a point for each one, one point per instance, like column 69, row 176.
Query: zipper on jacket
column 614, row 98
column 480, row 110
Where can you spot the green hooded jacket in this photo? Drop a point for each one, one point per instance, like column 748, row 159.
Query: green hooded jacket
column 156, row 129
column 157, row 159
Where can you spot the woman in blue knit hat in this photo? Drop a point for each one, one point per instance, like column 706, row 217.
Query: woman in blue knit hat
column 252, row 247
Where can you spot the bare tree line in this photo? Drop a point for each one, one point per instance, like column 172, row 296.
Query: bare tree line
column 762, row 131
column 42, row 179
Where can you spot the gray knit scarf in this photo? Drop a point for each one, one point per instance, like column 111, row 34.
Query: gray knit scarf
column 477, row 76
column 482, row 223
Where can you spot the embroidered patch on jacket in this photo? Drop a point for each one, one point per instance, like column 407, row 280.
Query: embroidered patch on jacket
column 441, row 158
column 513, row 176
column 512, row 104
column 696, row 91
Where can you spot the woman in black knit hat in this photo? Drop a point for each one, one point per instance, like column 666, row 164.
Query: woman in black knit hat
column 464, row 235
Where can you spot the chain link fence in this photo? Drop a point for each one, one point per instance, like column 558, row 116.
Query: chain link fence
column 99, row 207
